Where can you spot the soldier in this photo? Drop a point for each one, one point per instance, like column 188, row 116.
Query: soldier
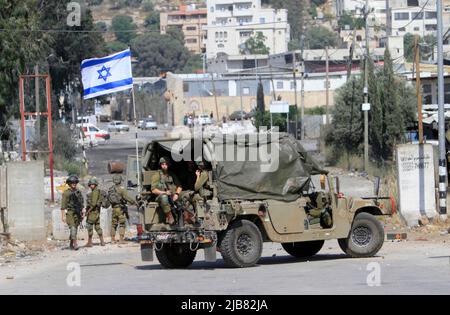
column 118, row 197
column 164, row 186
column 73, row 202
column 201, row 184
column 94, row 204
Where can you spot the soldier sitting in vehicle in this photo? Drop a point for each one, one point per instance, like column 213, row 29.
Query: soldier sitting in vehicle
column 166, row 187
column 318, row 210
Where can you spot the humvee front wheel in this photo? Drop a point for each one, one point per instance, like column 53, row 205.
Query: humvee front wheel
column 174, row 256
column 366, row 237
column 303, row 249
column 241, row 245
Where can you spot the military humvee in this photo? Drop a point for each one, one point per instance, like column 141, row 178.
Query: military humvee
column 253, row 201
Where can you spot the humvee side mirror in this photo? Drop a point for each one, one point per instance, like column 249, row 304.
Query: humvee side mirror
column 377, row 186
column 322, row 182
column 338, row 188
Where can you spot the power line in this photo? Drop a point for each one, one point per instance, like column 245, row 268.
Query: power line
column 414, row 18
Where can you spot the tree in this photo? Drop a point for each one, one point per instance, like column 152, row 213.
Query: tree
column 152, row 21
column 193, row 64
column 116, row 46
column 156, row 52
column 408, row 46
column 319, row 37
column 255, row 45
column 351, row 21
column 123, row 28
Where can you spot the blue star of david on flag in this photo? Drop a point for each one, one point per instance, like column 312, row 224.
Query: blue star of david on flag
column 107, row 74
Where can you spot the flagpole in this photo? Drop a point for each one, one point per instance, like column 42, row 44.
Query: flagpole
column 137, row 146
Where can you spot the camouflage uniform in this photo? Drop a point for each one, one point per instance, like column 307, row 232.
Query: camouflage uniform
column 94, row 203
column 73, row 202
column 118, row 197
column 163, row 182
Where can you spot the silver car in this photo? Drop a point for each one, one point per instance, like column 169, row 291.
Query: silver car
column 118, row 126
column 149, row 123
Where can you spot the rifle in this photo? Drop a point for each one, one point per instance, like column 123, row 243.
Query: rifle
column 125, row 211
column 76, row 203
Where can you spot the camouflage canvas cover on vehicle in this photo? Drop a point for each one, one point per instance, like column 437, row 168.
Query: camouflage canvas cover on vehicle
column 250, row 171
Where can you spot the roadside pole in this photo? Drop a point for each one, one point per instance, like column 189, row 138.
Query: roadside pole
column 441, row 116
column 137, row 146
column 366, row 91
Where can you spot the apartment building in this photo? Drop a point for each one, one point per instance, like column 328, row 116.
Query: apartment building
column 191, row 21
column 232, row 22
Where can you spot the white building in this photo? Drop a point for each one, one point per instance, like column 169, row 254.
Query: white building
column 414, row 20
column 232, row 22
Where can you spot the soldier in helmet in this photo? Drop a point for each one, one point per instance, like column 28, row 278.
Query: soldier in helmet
column 72, row 209
column 165, row 185
column 118, row 198
column 201, row 184
column 94, row 204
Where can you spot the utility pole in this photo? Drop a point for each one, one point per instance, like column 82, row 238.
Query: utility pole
column 327, row 87
column 38, row 109
column 294, row 70
column 302, row 88
column 441, row 115
column 418, row 88
column 350, row 59
column 240, row 94
column 366, row 90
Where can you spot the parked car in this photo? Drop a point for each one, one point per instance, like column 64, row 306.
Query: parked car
column 204, row 119
column 140, row 123
column 118, row 126
column 92, row 131
column 238, row 115
column 149, row 123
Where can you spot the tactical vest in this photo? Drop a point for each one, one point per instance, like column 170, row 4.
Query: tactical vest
column 114, row 196
column 75, row 202
column 206, row 190
column 166, row 182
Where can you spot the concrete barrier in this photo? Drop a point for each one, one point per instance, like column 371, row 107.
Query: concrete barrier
column 60, row 230
column 25, row 200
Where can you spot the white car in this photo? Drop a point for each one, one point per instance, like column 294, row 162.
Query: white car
column 91, row 131
column 118, row 126
column 149, row 123
column 204, row 119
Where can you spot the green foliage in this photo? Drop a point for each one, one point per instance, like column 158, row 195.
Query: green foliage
column 152, row 21
column 193, row 64
column 313, row 10
column 351, row 21
column 392, row 108
column 147, row 5
column 124, row 28
column 426, row 44
column 263, row 120
column 157, row 52
column 116, row 46
column 101, row 26
column 319, row 37
column 256, row 45
column 318, row 110
column 175, row 33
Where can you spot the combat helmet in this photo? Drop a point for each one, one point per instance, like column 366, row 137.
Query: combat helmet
column 72, row 179
column 163, row 160
column 93, row 181
column 117, row 179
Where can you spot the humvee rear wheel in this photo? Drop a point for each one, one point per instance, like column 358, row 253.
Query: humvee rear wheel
column 174, row 256
column 241, row 245
column 303, row 249
column 366, row 237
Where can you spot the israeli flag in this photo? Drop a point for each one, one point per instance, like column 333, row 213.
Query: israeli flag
column 107, row 75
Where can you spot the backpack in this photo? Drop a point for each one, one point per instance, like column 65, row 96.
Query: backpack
column 105, row 201
column 113, row 196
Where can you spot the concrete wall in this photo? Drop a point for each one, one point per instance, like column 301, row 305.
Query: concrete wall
column 25, row 198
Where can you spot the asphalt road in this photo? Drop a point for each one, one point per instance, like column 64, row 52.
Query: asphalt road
column 412, row 267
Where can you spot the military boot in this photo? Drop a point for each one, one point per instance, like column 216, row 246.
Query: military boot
column 71, row 244
column 89, row 243
column 75, row 245
column 102, row 242
column 169, row 218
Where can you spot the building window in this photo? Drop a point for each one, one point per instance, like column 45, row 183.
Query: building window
column 358, row 38
column 280, row 85
column 191, row 28
column 225, row 34
column 430, row 27
column 292, row 85
column 418, row 16
column 245, row 91
column 191, row 40
column 248, row 64
column 430, row 15
column 402, row 29
column 401, row 16
column 416, row 29
column 185, row 87
column 262, row 20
